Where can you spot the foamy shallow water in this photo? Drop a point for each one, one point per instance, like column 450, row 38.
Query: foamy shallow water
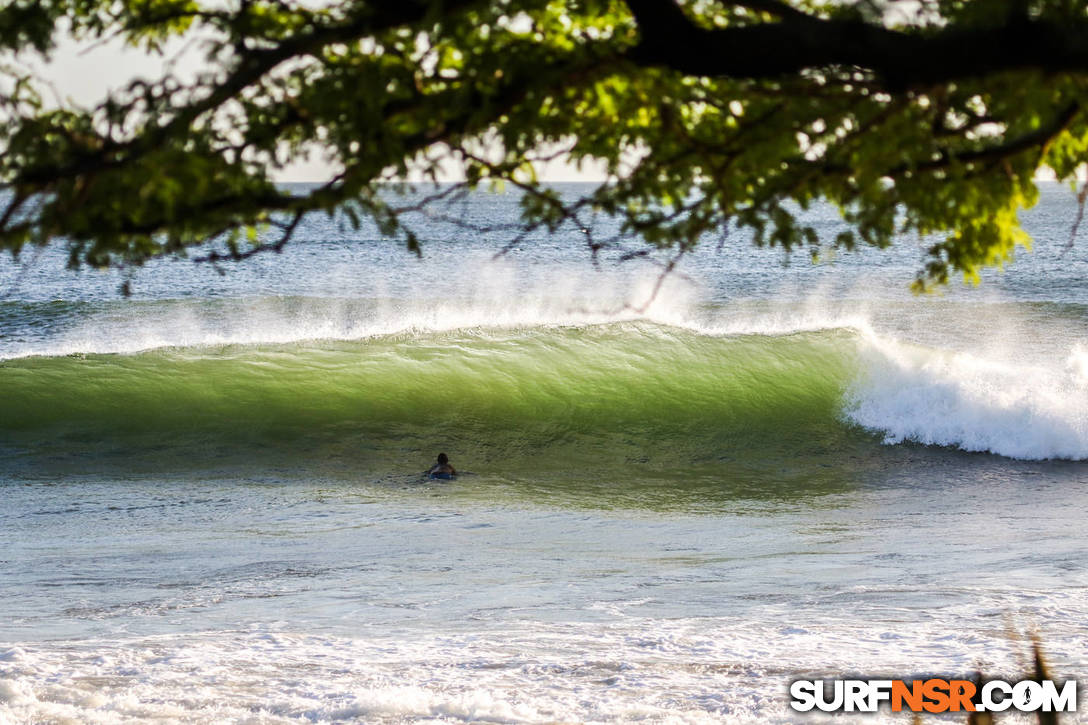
column 684, row 671
column 291, row 602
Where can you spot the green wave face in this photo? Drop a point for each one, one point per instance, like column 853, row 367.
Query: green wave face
column 521, row 403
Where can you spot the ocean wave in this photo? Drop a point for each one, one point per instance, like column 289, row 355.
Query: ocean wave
column 511, row 390
column 578, row 393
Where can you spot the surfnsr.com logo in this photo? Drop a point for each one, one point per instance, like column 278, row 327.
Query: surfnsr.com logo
column 933, row 695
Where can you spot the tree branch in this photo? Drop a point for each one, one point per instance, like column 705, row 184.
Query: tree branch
column 901, row 59
column 252, row 66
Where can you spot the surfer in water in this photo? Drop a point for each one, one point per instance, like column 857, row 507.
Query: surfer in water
column 442, row 469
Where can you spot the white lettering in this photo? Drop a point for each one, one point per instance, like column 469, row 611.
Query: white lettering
column 1027, row 696
column 803, row 693
column 996, row 705
column 1055, row 701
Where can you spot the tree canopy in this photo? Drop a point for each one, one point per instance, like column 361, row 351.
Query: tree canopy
column 927, row 118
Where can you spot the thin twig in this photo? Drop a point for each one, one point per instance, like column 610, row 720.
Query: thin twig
column 1082, row 197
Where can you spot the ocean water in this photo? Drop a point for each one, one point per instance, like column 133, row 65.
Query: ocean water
column 672, row 504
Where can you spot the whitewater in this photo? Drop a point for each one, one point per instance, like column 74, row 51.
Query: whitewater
column 678, row 498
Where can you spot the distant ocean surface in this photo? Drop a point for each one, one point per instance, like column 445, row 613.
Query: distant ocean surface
column 211, row 507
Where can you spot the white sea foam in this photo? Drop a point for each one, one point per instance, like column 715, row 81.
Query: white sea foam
column 940, row 397
column 662, row 671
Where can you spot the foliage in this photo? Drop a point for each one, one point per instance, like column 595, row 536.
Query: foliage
column 923, row 119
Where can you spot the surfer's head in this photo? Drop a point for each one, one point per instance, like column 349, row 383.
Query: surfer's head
column 443, row 458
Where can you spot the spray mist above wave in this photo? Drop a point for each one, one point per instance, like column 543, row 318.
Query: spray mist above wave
column 498, row 299
column 960, row 400
column 495, row 295
column 476, row 292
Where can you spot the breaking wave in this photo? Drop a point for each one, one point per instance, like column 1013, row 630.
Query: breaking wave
column 583, row 393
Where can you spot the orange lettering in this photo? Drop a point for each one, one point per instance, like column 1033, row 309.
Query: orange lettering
column 911, row 695
column 936, row 693
column 960, row 694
